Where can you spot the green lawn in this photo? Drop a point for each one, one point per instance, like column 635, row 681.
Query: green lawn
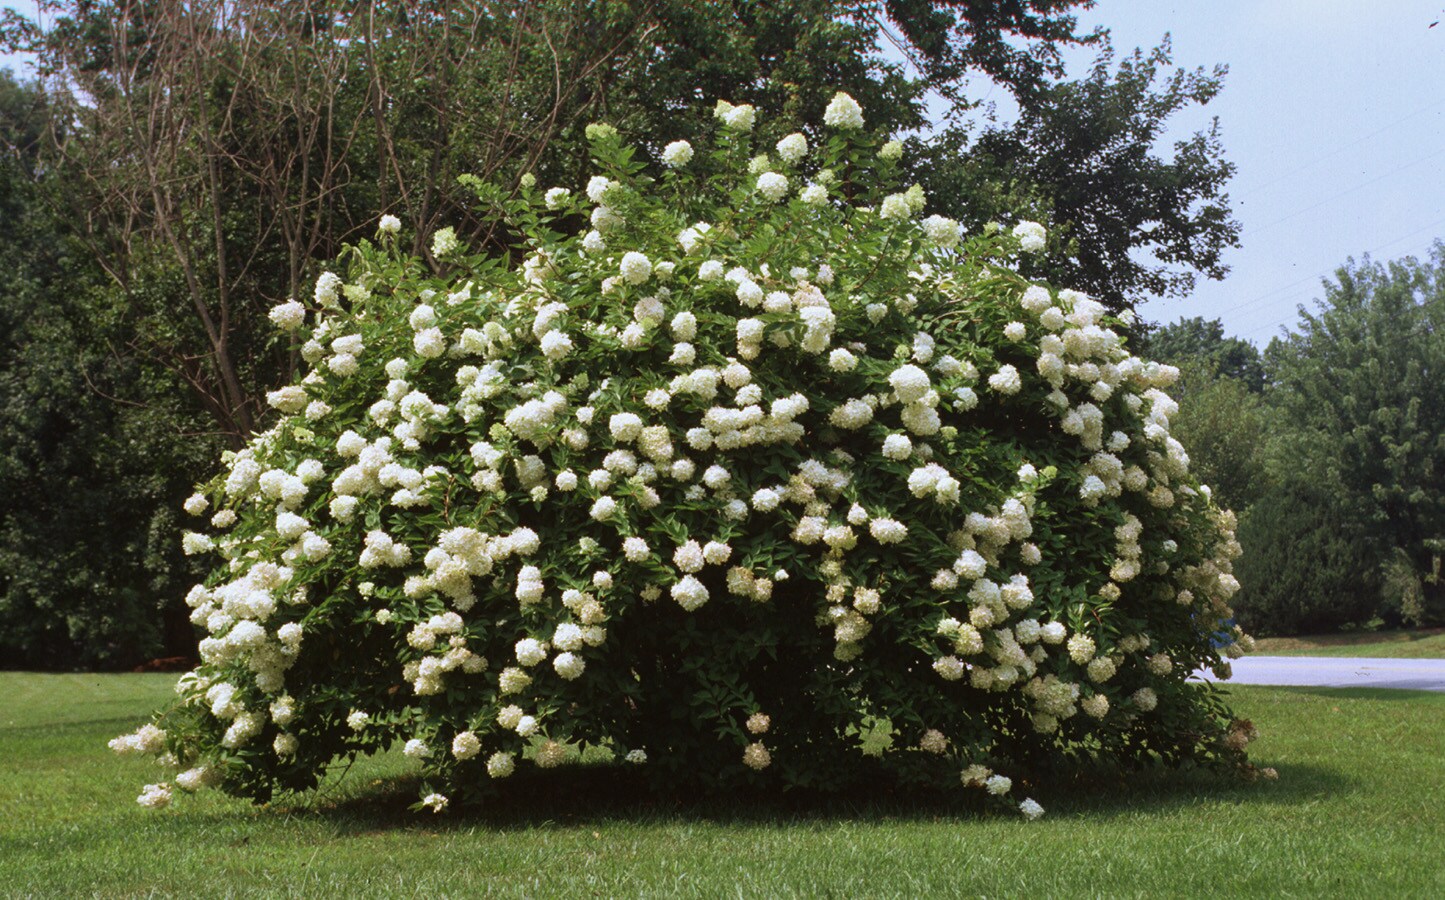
column 1355, row 812
column 1427, row 643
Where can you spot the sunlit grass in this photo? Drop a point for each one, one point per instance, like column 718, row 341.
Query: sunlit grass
column 1355, row 812
column 1419, row 644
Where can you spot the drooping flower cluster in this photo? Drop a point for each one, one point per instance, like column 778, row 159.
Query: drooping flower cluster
column 749, row 483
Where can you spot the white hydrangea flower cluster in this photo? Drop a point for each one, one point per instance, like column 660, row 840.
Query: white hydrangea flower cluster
column 676, row 154
column 843, row 112
column 668, row 465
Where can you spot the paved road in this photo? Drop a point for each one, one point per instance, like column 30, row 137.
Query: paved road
column 1321, row 671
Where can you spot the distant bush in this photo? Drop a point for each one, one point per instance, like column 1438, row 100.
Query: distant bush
column 1348, row 526
column 1308, row 567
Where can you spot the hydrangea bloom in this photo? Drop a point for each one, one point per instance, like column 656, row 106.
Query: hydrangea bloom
column 288, row 316
column 736, row 118
column 155, row 796
column 843, row 112
column 793, row 148
column 677, row 154
column 942, row 231
column 444, row 242
column 636, row 267
column 773, row 186
column 1031, row 236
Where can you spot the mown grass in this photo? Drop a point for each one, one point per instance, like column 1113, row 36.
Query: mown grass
column 1426, row 643
column 1355, row 812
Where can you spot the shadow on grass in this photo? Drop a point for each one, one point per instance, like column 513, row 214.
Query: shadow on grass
column 1112, row 793
column 591, row 796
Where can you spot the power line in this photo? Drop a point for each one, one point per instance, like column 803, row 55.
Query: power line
column 1345, row 192
column 1308, row 278
column 1280, row 322
column 1338, row 150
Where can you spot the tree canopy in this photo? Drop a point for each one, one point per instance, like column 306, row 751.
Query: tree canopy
column 192, row 164
column 1201, row 342
column 1082, row 158
column 1357, row 459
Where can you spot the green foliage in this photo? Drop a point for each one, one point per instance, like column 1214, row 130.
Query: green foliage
column 88, row 560
column 275, row 133
column 1357, row 462
column 789, row 56
column 1404, row 585
column 1308, row 563
column 1201, row 343
column 760, row 469
column 1334, row 467
column 1225, row 427
column 955, row 37
column 1081, row 158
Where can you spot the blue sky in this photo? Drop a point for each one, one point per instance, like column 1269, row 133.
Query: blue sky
column 1334, row 114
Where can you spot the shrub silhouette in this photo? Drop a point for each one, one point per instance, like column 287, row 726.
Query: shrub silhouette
column 764, row 477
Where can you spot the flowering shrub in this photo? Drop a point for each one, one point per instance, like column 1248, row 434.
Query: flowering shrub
column 762, row 477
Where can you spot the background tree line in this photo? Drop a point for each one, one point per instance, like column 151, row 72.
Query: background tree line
column 177, row 169
column 1330, row 445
